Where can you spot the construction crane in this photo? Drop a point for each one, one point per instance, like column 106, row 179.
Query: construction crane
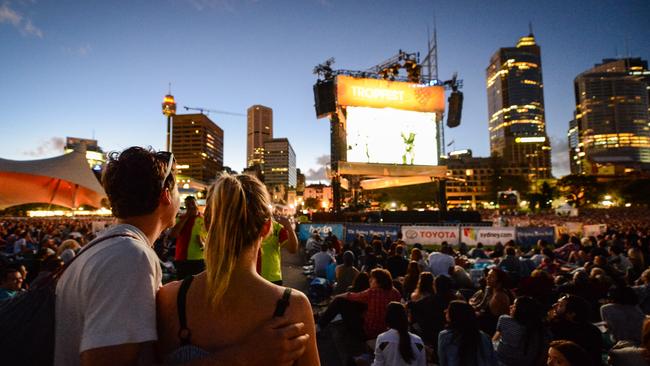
column 207, row 111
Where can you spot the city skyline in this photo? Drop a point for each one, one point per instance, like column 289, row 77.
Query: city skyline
column 100, row 71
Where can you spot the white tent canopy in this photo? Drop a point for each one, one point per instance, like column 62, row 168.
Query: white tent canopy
column 65, row 180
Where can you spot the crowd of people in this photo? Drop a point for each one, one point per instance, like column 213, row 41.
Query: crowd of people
column 578, row 301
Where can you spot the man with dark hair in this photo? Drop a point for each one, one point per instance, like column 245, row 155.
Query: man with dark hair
column 397, row 264
column 11, row 281
column 569, row 320
column 106, row 299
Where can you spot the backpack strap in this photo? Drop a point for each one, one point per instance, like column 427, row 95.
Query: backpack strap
column 184, row 333
column 283, row 303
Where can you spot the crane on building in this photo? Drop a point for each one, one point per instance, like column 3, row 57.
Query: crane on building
column 207, row 111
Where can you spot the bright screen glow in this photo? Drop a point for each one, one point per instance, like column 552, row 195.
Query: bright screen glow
column 391, row 136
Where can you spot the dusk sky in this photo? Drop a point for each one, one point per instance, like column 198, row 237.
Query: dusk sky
column 101, row 68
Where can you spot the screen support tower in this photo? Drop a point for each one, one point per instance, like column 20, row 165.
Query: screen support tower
column 430, row 71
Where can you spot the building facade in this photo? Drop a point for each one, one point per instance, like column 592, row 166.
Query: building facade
column 516, row 109
column 279, row 163
column 197, row 144
column 613, row 118
column 94, row 154
column 259, row 130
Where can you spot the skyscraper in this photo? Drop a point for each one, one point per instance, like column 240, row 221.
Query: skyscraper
column 259, row 130
column 516, row 109
column 612, row 117
column 197, row 144
column 279, row 163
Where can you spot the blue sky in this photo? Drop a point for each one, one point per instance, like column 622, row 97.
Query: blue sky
column 84, row 68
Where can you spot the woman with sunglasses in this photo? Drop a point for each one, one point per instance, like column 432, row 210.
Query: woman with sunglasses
column 229, row 301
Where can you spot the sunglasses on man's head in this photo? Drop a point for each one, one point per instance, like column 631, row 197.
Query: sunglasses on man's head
column 169, row 157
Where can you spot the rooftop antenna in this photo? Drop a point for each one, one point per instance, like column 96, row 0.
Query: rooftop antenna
column 169, row 90
column 530, row 27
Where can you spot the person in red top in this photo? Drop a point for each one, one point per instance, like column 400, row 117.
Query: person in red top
column 375, row 299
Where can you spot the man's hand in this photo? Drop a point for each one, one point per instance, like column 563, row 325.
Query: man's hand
column 276, row 342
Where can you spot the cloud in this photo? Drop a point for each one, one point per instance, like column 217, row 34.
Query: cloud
column 53, row 145
column 24, row 25
column 201, row 5
column 319, row 174
column 31, row 29
column 78, row 51
column 560, row 156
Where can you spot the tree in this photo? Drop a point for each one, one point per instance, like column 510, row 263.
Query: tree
column 636, row 191
column 580, row 189
column 312, row 203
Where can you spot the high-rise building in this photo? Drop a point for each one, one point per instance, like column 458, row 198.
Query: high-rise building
column 279, row 163
column 197, row 144
column 259, row 130
column 574, row 149
column 516, row 109
column 613, row 118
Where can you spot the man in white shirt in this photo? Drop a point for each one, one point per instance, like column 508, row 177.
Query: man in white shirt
column 439, row 263
column 321, row 260
column 105, row 303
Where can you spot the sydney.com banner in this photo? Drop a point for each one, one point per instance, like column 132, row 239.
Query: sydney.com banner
column 472, row 235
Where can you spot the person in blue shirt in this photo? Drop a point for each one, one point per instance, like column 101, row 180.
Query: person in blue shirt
column 462, row 343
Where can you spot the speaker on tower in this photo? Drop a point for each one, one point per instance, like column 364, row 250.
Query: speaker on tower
column 455, row 102
column 324, row 96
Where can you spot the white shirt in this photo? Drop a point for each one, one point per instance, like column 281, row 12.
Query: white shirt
column 439, row 263
column 107, row 296
column 387, row 350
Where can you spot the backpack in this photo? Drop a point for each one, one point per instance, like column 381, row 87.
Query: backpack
column 27, row 320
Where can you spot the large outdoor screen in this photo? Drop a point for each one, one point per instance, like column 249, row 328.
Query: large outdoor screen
column 391, row 136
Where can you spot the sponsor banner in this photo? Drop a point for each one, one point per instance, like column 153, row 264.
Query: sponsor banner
column 594, row 230
column 352, row 230
column 569, row 228
column 306, row 230
column 429, row 235
column 472, row 235
column 528, row 236
column 376, row 93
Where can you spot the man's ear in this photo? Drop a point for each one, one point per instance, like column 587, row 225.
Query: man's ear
column 165, row 197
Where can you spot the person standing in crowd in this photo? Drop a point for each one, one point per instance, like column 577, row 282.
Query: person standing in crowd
column 270, row 257
column 566, row 353
column 463, row 343
column 11, row 282
column 229, row 301
column 105, row 300
column 521, row 337
column 411, row 280
column 569, row 320
column 190, row 235
column 397, row 346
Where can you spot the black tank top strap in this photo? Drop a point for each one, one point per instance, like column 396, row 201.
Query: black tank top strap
column 184, row 333
column 283, row 303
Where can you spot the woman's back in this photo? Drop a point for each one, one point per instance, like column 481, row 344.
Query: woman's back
column 387, row 350
column 243, row 310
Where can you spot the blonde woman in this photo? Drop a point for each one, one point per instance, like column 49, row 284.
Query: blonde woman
column 229, row 301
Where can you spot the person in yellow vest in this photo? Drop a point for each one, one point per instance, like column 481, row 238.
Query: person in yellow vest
column 269, row 259
column 190, row 234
